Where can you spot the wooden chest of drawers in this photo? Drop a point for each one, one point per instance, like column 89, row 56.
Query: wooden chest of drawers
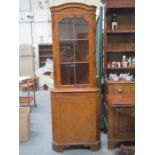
column 118, row 120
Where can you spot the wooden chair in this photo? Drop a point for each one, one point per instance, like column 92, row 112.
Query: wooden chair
column 27, row 85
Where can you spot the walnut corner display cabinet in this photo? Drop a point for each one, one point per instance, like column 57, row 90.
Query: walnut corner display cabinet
column 75, row 99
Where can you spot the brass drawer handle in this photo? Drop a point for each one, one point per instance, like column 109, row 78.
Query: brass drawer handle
column 120, row 91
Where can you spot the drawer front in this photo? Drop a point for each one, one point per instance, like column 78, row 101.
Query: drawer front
column 128, row 89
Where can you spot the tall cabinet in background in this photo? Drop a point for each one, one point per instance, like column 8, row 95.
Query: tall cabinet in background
column 75, row 99
column 45, row 52
column 119, row 68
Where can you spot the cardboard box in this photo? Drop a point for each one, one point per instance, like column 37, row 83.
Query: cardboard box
column 24, row 126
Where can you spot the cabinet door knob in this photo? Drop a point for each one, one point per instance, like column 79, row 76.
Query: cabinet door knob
column 120, row 91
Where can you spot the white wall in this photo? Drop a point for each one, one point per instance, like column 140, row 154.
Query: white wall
column 37, row 29
column 89, row 2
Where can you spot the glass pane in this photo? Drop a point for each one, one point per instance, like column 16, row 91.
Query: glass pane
column 82, row 73
column 81, row 51
column 66, row 29
column 80, row 29
column 66, row 51
column 67, row 74
column 74, row 47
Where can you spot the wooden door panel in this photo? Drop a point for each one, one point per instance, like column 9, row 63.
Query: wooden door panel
column 71, row 120
column 123, row 124
column 76, row 116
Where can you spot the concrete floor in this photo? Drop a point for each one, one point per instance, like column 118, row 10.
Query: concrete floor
column 39, row 142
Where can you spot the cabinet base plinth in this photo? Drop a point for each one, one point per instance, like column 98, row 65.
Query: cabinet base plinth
column 95, row 147
column 113, row 143
column 61, row 147
column 58, row 147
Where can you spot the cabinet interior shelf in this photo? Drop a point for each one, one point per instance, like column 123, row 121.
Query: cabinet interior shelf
column 74, row 63
column 121, row 31
column 113, row 4
column 110, row 68
column 44, row 49
column 73, row 39
column 45, row 56
column 120, row 50
column 120, row 81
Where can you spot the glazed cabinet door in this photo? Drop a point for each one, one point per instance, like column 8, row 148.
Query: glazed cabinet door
column 74, row 50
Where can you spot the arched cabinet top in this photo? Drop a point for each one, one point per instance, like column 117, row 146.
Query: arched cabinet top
column 69, row 8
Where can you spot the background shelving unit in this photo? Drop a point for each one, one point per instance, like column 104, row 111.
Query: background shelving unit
column 45, row 51
column 116, row 44
column 121, row 41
